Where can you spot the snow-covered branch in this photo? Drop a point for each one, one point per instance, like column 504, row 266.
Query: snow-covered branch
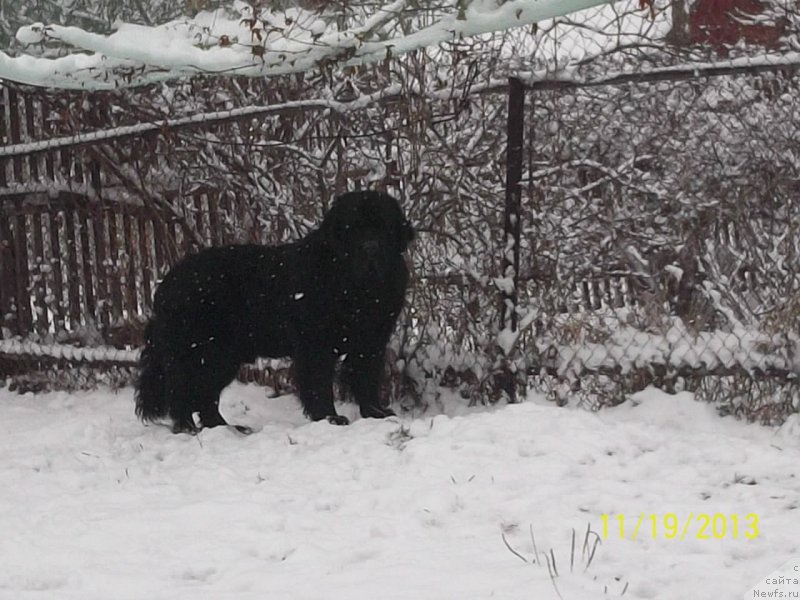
column 243, row 41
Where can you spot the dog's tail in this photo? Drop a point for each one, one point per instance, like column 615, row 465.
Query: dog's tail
column 151, row 397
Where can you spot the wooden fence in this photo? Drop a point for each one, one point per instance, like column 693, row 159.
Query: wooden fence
column 70, row 263
column 79, row 257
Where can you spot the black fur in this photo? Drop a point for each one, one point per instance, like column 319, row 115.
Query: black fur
column 332, row 296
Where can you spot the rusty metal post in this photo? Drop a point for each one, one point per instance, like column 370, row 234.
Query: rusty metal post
column 512, row 224
column 512, row 220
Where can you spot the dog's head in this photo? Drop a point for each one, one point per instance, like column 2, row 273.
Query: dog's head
column 368, row 231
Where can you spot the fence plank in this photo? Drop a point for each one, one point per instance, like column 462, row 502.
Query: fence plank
column 4, row 163
column 66, row 153
column 160, row 241
column 8, row 284
column 48, row 131
column 216, row 234
column 14, row 130
column 145, row 272
column 130, row 268
column 40, row 281
column 88, row 265
column 181, row 243
column 72, row 276
column 57, row 217
column 244, row 233
column 100, row 266
column 30, row 125
column 113, row 273
column 199, row 226
column 24, row 315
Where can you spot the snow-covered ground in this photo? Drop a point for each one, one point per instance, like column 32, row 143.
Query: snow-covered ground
column 95, row 505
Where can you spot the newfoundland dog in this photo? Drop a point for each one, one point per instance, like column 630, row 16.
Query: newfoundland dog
column 331, row 297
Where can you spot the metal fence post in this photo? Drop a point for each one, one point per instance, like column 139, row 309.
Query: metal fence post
column 512, row 221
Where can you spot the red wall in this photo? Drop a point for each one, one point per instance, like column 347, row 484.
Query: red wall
column 711, row 23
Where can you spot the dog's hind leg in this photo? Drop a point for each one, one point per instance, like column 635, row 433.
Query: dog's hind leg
column 211, row 417
column 209, row 413
column 207, row 400
column 218, row 373
column 180, row 396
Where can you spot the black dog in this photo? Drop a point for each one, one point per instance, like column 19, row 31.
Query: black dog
column 333, row 296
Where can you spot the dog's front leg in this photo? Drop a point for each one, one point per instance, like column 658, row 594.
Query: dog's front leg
column 314, row 378
column 362, row 374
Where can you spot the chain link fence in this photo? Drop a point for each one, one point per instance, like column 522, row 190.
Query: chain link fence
column 663, row 249
column 660, row 244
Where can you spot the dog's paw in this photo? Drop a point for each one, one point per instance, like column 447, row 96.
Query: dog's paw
column 377, row 412
column 181, row 427
column 338, row 420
